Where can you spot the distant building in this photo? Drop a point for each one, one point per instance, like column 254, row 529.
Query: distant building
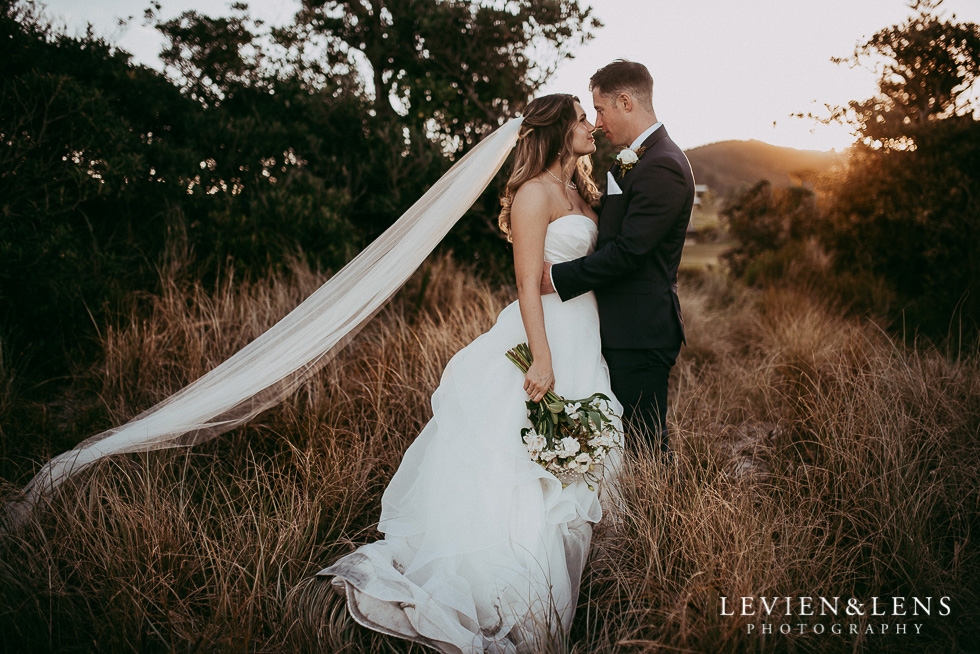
column 699, row 191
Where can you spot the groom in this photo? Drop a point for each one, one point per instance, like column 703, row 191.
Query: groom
column 643, row 218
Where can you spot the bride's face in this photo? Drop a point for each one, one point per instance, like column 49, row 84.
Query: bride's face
column 583, row 142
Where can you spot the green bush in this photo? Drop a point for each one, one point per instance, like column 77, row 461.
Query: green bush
column 765, row 219
column 912, row 219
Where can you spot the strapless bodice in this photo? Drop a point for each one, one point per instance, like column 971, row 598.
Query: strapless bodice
column 570, row 237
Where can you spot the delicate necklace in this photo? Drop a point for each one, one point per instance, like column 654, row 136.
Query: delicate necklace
column 572, row 186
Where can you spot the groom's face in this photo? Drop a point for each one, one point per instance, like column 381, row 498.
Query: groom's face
column 610, row 117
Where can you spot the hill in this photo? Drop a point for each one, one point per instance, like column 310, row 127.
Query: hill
column 729, row 165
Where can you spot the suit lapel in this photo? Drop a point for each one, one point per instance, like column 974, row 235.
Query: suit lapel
column 616, row 170
column 655, row 138
column 648, row 142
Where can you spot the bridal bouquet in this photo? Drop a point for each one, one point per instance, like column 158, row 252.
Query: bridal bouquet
column 569, row 437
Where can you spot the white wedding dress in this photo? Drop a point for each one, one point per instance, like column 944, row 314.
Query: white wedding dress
column 483, row 550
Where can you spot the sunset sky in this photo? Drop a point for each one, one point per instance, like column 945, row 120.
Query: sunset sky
column 722, row 70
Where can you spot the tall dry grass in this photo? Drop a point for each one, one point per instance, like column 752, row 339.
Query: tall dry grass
column 815, row 457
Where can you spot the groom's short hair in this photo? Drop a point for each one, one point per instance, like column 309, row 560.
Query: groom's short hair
column 624, row 76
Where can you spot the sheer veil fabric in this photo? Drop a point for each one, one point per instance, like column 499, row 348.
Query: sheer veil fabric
column 273, row 366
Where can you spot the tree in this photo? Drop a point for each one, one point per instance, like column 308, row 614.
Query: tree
column 927, row 66
column 896, row 233
column 257, row 144
column 103, row 161
column 455, row 68
column 209, row 54
column 908, row 209
column 85, row 136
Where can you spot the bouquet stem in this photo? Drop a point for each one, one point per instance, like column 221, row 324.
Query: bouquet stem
column 521, row 357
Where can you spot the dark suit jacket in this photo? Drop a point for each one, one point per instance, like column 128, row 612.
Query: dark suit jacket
column 633, row 270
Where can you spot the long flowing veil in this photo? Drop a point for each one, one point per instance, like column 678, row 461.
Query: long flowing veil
column 271, row 367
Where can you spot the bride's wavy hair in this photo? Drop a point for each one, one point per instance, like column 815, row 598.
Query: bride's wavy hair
column 546, row 134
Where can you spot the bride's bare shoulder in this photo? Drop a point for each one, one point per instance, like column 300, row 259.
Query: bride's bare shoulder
column 533, row 201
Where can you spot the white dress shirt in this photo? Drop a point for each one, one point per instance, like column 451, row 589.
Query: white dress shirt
column 643, row 137
column 633, row 146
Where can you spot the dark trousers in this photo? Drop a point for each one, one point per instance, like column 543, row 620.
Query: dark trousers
column 639, row 380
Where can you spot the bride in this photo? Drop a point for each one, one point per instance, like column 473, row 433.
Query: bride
column 483, row 549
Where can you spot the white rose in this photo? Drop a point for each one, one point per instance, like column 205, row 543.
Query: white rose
column 627, row 157
column 548, row 455
column 569, row 446
column 535, row 442
column 584, row 459
column 612, row 438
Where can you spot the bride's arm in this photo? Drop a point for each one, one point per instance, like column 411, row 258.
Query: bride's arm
column 529, row 217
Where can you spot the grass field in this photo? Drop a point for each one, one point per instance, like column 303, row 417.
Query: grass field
column 816, row 457
column 700, row 256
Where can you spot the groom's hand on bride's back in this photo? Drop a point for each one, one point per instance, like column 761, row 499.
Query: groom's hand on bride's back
column 546, row 286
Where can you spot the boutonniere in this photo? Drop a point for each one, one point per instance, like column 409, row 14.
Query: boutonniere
column 627, row 158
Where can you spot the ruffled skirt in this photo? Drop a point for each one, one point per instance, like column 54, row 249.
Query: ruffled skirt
column 483, row 549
